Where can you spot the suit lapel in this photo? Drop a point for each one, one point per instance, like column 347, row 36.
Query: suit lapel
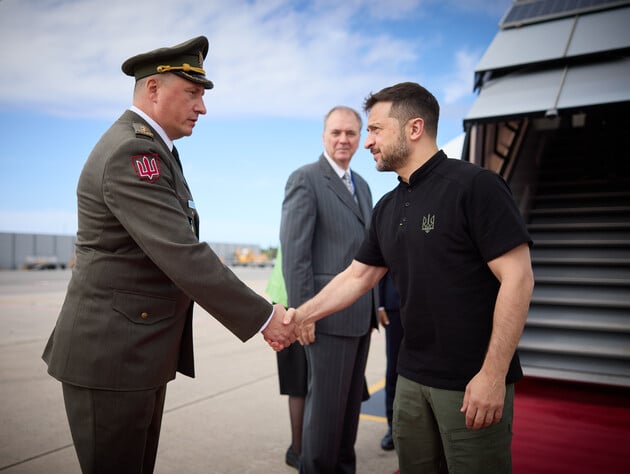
column 337, row 187
column 362, row 193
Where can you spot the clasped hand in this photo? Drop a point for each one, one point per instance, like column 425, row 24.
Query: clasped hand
column 304, row 332
column 280, row 332
column 287, row 326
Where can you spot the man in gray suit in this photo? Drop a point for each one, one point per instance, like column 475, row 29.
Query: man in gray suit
column 324, row 221
column 125, row 327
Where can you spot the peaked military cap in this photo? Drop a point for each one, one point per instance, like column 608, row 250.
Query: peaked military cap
column 184, row 59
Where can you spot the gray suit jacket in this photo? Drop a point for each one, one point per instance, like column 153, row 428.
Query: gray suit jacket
column 322, row 228
column 126, row 321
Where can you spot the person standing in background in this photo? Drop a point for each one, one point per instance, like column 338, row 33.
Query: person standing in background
column 325, row 216
column 292, row 370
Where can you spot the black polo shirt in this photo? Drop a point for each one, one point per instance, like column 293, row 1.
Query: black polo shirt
column 436, row 236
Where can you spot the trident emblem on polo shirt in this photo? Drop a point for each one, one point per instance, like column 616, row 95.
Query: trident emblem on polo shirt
column 428, row 223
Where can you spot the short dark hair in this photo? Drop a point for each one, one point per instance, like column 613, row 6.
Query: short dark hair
column 409, row 100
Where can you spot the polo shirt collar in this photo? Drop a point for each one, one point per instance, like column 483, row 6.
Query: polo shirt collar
column 425, row 169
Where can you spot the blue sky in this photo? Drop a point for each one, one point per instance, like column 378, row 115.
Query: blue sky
column 278, row 66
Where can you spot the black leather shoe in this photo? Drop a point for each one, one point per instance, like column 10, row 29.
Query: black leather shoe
column 292, row 459
column 387, row 443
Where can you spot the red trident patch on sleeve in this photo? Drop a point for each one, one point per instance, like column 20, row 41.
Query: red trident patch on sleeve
column 147, row 167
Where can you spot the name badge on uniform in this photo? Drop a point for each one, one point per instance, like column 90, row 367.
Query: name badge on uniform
column 191, row 220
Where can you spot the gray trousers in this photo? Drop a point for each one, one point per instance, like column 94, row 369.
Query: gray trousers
column 336, row 386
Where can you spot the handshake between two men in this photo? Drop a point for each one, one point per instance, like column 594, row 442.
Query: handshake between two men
column 344, row 289
column 287, row 326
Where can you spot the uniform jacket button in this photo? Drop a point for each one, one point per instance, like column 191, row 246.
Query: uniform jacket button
column 144, row 315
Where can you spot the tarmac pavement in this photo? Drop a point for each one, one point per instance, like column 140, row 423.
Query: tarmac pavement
column 229, row 419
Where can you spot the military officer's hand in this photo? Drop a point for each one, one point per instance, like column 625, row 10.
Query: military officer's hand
column 280, row 332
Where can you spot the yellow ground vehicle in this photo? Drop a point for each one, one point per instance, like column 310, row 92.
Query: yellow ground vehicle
column 247, row 257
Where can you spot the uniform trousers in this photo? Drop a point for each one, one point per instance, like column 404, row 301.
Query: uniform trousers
column 115, row 431
column 430, row 433
column 336, row 388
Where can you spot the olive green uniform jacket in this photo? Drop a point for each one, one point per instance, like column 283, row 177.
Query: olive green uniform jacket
column 126, row 322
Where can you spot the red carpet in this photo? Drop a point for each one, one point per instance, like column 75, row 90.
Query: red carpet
column 562, row 427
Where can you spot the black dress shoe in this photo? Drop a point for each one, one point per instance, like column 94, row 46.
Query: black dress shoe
column 387, row 443
column 292, row 459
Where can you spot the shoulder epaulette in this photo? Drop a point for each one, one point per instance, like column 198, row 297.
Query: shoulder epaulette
column 142, row 130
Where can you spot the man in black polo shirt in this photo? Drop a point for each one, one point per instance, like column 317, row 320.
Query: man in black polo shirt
column 458, row 251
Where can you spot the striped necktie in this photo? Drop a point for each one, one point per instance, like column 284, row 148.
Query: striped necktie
column 350, row 185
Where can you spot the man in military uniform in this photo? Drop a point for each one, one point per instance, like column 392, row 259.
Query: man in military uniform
column 125, row 327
